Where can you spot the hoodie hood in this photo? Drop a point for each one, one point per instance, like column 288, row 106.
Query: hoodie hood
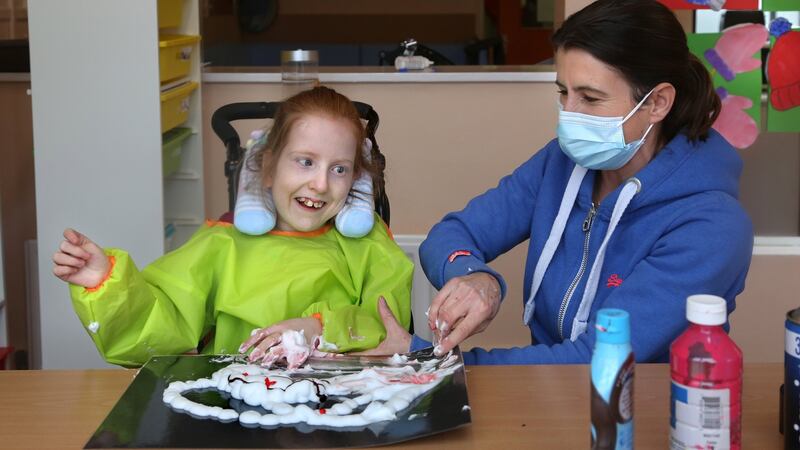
column 690, row 167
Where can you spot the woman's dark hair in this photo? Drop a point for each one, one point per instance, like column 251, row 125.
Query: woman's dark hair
column 644, row 41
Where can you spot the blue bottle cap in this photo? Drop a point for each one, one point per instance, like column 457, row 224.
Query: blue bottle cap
column 613, row 326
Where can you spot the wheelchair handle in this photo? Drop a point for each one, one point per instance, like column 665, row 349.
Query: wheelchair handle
column 222, row 118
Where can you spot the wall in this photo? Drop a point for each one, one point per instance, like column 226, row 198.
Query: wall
column 3, row 337
column 95, row 104
column 447, row 142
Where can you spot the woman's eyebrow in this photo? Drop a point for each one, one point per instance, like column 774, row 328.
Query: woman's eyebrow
column 585, row 89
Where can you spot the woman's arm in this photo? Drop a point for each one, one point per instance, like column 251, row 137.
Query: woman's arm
column 706, row 250
column 457, row 250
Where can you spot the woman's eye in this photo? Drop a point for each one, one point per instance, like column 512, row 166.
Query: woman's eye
column 588, row 99
column 304, row 162
column 562, row 92
column 340, row 170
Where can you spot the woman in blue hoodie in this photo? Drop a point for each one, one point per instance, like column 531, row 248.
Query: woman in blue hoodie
column 633, row 206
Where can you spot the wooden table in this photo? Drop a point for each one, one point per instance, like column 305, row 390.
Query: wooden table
column 542, row 407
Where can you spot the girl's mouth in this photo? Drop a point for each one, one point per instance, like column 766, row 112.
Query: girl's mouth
column 310, row 203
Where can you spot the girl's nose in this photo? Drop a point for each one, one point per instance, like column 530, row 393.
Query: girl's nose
column 319, row 182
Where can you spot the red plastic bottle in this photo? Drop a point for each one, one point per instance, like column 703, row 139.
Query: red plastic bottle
column 706, row 369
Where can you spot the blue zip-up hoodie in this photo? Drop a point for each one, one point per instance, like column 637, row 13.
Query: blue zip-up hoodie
column 683, row 233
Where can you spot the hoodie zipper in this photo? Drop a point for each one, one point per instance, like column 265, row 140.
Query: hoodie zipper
column 587, row 230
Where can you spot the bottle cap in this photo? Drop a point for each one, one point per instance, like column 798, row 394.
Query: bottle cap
column 299, row 56
column 613, row 326
column 706, row 309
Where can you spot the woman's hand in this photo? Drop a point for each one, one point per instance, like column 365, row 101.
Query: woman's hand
column 398, row 340
column 80, row 261
column 465, row 306
column 269, row 345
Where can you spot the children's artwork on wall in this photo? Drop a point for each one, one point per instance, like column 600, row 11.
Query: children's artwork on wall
column 733, row 122
column 737, row 50
column 780, row 5
column 783, row 76
column 716, row 5
column 733, row 58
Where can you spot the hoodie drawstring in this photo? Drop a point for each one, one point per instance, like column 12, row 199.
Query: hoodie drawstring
column 631, row 188
column 556, row 231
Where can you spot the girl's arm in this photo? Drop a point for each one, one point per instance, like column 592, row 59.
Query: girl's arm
column 133, row 315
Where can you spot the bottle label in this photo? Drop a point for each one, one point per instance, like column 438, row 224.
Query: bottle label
column 612, row 421
column 684, row 437
column 699, row 418
column 792, row 344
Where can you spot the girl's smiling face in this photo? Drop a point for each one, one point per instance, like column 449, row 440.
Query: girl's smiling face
column 314, row 172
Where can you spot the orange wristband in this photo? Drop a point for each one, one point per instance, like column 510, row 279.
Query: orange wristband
column 113, row 261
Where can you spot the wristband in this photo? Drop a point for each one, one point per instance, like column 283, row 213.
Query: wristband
column 113, row 261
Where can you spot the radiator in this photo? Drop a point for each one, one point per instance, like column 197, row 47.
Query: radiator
column 422, row 292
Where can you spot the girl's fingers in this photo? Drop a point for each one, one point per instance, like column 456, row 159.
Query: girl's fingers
column 63, row 272
column 64, row 259
column 74, row 237
column 74, row 250
column 261, row 350
column 255, row 338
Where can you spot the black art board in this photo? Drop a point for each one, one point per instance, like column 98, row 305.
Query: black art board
column 140, row 419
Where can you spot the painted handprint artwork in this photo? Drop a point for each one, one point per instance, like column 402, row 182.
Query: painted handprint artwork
column 735, row 49
column 733, row 123
column 733, row 58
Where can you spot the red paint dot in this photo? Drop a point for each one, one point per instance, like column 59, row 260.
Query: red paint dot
column 245, row 374
column 268, row 383
column 322, row 411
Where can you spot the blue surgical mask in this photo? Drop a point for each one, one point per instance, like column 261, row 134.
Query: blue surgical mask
column 597, row 142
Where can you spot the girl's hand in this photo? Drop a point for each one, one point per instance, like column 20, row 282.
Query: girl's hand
column 270, row 346
column 80, row 261
column 398, row 340
column 465, row 306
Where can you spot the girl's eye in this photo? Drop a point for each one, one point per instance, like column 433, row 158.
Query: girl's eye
column 340, row 170
column 562, row 92
column 304, row 162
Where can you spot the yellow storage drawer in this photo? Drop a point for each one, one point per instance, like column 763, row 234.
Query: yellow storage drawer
column 170, row 13
column 175, row 55
column 175, row 105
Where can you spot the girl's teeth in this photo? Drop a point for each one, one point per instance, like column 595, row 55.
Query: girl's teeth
column 310, row 203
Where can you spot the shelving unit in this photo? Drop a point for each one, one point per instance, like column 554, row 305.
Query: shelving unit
column 183, row 190
column 96, row 96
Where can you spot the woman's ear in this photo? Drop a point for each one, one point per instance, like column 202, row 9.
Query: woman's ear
column 661, row 101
